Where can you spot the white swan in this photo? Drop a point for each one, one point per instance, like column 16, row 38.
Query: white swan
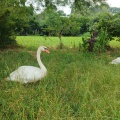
column 25, row 74
column 116, row 61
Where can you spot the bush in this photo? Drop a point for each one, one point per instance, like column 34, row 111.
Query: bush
column 102, row 41
column 98, row 42
column 8, row 43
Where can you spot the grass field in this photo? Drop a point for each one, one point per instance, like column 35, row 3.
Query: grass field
column 35, row 41
column 32, row 42
column 78, row 86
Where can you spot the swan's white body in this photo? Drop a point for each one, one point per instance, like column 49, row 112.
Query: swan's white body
column 116, row 61
column 25, row 74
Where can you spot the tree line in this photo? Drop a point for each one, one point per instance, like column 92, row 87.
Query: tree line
column 18, row 19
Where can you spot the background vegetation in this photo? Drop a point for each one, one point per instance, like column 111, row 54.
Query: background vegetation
column 18, row 19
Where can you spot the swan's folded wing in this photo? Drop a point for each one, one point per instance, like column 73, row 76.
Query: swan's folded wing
column 27, row 74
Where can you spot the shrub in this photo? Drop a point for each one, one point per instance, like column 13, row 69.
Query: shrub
column 98, row 42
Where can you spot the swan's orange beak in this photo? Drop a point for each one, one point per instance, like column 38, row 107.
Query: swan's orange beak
column 47, row 51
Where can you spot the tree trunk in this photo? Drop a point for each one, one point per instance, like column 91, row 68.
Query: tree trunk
column 61, row 44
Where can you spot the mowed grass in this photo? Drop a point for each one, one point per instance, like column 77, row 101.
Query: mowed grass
column 32, row 42
column 78, row 86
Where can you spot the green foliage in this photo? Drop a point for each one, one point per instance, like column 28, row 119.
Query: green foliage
column 115, row 10
column 51, row 23
column 56, row 24
column 84, row 24
column 106, row 21
column 107, row 26
column 85, row 7
column 87, row 34
column 6, row 26
column 13, row 17
column 17, row 19
column 70, row 26
column 102, row 41
column 78, row 4
column 98, row 42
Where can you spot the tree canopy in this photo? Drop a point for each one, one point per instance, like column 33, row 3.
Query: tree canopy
column 13, row 16
column 75, row 5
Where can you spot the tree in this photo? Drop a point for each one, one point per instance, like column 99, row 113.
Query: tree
column 70, row 26
column 107, row 26
column 54, row 25
column 76, row 5
column 111, row 23
column 25, row 24
column 115, row 10
column 13, row 17
column 61, row 13
column 84, row 24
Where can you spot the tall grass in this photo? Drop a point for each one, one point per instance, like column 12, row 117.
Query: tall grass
column 78, row 86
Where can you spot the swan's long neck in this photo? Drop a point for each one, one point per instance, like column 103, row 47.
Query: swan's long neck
column 43, row 68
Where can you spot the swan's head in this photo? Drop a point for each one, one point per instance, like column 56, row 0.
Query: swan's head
column 43, row 48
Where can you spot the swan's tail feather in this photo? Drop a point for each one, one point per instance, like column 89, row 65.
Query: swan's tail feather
column 113, row 62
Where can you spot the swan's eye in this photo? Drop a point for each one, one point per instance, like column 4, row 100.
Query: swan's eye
column 45, row 48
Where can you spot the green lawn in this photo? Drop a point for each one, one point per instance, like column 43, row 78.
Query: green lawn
column 115, row 44
column 78, row 86
column 34, row 41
